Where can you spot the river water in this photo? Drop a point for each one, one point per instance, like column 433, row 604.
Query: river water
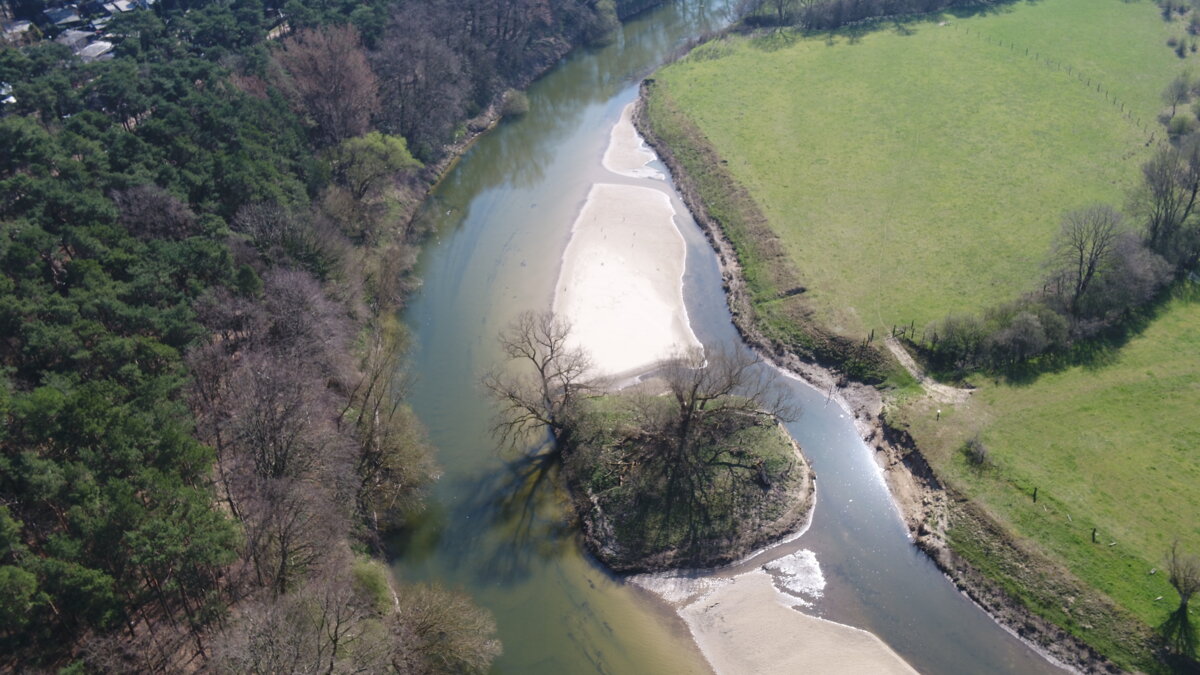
column 502, row 217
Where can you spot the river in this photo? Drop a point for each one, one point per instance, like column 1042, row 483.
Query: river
column 502, row 217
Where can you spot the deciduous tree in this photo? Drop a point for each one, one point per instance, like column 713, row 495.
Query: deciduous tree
column 1083, row 247
column 332, row 81
column 545, row 398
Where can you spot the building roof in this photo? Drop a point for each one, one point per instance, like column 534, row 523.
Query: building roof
column 75, row 39
column 95, row 51
column 17, row 27
column 62, row 16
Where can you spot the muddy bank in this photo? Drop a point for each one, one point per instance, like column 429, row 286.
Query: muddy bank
column 925, row 504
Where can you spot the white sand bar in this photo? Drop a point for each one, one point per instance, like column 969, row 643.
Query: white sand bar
column 627, row 153
column 746, row 626
column 621, row 284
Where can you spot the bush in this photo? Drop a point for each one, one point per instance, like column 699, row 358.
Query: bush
column 516, row 103
column 1181, row 125
column 976, row 452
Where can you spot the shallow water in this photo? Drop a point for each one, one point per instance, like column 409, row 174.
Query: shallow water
column 502, row 217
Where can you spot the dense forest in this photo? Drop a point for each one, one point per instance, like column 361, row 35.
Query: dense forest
column 205, row 240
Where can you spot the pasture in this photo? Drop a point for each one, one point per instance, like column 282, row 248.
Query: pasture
column 923, row 168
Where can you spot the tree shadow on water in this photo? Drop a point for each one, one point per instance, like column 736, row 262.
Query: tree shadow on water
column 518, row 519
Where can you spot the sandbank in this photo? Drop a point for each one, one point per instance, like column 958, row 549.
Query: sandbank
column 627, row 154
column 747, row 626
column 621, row 283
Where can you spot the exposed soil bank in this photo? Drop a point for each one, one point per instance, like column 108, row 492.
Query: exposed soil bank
column 925, row 504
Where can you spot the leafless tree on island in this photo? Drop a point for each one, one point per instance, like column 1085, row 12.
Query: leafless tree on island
column 545, row 398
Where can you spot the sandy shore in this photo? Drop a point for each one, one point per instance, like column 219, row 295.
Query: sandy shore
column 621, row 284
column 627, row 153
column 747, row 626
column 752, row 623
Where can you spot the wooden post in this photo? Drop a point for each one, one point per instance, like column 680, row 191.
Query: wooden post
column 1093, row 535
column 1035, row 495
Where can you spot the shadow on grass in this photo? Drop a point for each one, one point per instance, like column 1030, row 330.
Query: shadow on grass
column 1179, row 636
column 1103, row 350
column 906, row 24
column 1094, row 354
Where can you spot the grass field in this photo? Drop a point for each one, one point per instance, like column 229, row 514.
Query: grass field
column 1114, row 447
column 919, row 169
column 912, row 171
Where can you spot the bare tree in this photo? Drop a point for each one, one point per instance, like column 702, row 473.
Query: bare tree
column 150, row 212
column 393, row 461
column 279, row 416
column 547, row 397
column 782, row 9
column 1167, row 198
column 332, row 81
column 1083, row 247
column 1183, row 572
column 426, row 87
column 1178, row 92
column 324, row 627
column 289, row 526
column 724, row 384
column 448, row 633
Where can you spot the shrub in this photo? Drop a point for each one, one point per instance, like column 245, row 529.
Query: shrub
column 976, row 452
column 1181, row 125
column 516, row 103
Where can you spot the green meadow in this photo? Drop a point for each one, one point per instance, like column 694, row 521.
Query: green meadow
column 1113, row 446
column 919, row 169
column 913, row 170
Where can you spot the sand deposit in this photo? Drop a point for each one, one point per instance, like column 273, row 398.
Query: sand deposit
column 621, row 284
column 627, row 154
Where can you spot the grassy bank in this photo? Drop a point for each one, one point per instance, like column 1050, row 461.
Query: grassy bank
column 891, row 163
column 1109, row 446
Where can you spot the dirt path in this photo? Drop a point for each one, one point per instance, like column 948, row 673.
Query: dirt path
column 941, row 393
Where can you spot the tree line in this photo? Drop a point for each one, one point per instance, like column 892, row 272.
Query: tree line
column 834, row 14
column 1103, row 269
column 203, row 248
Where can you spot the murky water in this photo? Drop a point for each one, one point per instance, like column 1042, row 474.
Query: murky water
column 503, row 216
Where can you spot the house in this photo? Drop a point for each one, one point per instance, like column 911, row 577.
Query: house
column 75, row 39
column 100, row 50
column 14, row 30
column 119, row 6
column 63, row 16
column 6, row 97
